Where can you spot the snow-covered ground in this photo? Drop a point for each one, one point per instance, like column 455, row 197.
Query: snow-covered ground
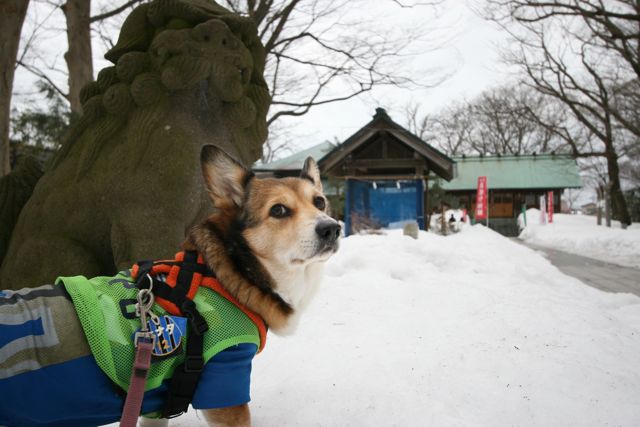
column 470, row 329
column 579, row 234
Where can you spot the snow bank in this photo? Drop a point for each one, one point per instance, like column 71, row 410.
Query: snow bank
column 581, row 235
column 470, row 329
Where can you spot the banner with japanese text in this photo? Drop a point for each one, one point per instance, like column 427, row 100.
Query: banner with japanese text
column 550, row 206
column 481, row 199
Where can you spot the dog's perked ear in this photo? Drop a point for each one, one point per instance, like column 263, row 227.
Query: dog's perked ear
column 311, row 172
column 225, row 178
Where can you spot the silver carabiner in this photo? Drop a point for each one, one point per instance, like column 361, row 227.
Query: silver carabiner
column 145, row 299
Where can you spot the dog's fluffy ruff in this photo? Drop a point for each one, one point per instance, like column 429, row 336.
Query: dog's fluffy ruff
column 281, row 311
column 207, row 241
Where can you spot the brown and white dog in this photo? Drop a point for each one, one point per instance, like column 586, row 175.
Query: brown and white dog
column 267, row 241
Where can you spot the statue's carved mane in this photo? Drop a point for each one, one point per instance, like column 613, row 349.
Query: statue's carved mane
column 134, row 92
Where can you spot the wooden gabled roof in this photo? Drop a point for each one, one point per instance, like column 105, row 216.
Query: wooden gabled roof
column 386, row 149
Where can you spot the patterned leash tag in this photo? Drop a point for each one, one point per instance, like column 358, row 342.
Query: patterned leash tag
column 168, row 332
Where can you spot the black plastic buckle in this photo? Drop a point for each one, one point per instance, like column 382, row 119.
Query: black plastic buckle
column 193, row 364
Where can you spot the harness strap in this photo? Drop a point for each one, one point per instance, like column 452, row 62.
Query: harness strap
column 186, row 276
column 186, row 375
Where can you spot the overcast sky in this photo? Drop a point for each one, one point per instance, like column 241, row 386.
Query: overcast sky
column 469, row 54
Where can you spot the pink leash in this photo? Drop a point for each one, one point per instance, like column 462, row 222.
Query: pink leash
column 144, row 342
column 133, row 403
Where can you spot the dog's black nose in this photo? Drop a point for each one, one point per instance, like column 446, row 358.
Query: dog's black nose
column 328, row 231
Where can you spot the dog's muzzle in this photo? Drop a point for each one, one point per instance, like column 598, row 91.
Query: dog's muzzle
column 328, row 232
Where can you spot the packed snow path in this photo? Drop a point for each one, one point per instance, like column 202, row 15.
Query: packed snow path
column 601, row 275
column 580, row 235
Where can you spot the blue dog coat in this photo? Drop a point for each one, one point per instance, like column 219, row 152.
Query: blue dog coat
column 48, row 375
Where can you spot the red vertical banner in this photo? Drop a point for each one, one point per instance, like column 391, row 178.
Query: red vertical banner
column 481, row 198
column 550, row 206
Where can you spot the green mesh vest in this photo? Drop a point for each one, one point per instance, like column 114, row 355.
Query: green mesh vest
column 105, row 306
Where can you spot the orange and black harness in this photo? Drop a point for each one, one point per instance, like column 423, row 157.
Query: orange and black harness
column 174, row 284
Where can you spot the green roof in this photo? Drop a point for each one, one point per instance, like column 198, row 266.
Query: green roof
column 296, row 161
column 515, row 172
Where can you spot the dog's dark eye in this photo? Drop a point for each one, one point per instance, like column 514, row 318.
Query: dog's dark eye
column 319, row 203
column 279, row 211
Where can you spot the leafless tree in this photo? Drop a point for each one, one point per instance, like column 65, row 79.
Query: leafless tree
column 504, row 125
column 310, row 45
column 419, row 125
column 498, row 121
column 12, row 14
column 610, row 28
column 318, row 53
column 453, row 129
column 79, row 25
column 613, row 24
column 564, row 57
column 18, row 49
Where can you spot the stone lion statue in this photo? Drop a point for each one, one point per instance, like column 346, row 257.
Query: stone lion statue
column 126, row 183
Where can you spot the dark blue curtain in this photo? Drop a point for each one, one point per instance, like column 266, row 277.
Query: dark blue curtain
column 385, row 203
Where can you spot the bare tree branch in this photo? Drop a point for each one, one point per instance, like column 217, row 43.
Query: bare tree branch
column 115, row 11
column 420, row 3
column 313, row 45
column 42, row 75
